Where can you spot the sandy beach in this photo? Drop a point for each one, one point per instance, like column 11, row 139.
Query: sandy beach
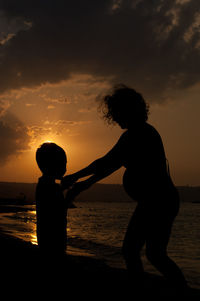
column 24, row 269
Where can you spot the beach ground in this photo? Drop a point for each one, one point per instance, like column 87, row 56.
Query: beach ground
column 24, row 271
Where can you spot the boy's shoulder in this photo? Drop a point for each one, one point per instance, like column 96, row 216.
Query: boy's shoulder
column 47, row 184
column 46, row 180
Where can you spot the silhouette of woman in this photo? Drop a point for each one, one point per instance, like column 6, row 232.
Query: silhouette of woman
column 146, row 179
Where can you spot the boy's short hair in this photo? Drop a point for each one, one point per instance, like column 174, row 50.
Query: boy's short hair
column 48, row 155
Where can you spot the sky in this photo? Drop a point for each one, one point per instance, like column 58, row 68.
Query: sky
column 58, row 57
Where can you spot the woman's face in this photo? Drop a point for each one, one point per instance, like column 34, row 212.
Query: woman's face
column 120, row 117
column 123, row 124
column 125, row 119
column 126, row 115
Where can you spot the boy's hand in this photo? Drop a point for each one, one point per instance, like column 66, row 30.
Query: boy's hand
column 76, row 190
column 80, row 186
column 68, row 181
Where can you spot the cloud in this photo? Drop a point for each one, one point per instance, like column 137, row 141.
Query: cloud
column 14, row 137
column 35, row 131
column 59, row 100
column 4, row 106
column 87, row 110
column 6, row 38
column 30, row 105
column 50, row 107
column 58, row 126
column 53, row 129
column 151, row 45
column 71, row 122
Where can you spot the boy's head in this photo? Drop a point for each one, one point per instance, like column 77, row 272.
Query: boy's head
column 51, row 160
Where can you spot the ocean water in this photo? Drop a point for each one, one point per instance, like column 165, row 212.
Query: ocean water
column 98, row 229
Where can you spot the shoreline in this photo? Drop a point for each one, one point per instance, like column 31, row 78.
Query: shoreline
column 23, row 265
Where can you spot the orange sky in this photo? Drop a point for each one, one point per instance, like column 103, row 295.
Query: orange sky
column 57, row 56
column 66, row 113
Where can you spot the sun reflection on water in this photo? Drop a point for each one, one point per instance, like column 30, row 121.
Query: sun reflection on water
column 33, row 238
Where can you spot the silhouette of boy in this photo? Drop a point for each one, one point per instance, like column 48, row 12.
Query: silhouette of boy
column 51, row 207
column 146, row 179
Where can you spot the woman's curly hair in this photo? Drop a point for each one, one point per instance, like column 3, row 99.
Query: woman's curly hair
column 124, row 102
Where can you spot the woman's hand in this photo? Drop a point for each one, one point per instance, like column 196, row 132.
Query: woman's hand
column 68, row 181
column 76, row 189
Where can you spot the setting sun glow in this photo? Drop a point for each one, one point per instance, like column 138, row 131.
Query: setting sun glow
column 48, row 141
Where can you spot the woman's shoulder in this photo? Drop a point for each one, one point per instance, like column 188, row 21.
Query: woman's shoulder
column 124, row 137
column 124, row 134
column 147, row 130
column 151, row 130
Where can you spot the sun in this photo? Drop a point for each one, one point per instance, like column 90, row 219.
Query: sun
column 40, row 140
column 48, row 141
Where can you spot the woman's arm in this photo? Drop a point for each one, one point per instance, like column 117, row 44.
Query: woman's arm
column 78, row 187
column 95, row 167
column 101, row 167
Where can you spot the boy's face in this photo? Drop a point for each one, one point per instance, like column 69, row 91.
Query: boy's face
column 56, row 167
column 60, row 168
column 51, row 160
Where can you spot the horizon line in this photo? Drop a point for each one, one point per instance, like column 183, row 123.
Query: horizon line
column 14, row 182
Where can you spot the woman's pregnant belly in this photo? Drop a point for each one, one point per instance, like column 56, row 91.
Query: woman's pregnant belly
column 134, row 185
column 141, row 186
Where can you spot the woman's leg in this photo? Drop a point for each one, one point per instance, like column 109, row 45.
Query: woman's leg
column 158, row 235
column 133, row 242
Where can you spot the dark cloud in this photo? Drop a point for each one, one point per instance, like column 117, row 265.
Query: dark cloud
column 13, row 136
column 150, row 44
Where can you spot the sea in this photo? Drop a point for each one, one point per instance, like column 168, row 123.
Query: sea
column 97, row 229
